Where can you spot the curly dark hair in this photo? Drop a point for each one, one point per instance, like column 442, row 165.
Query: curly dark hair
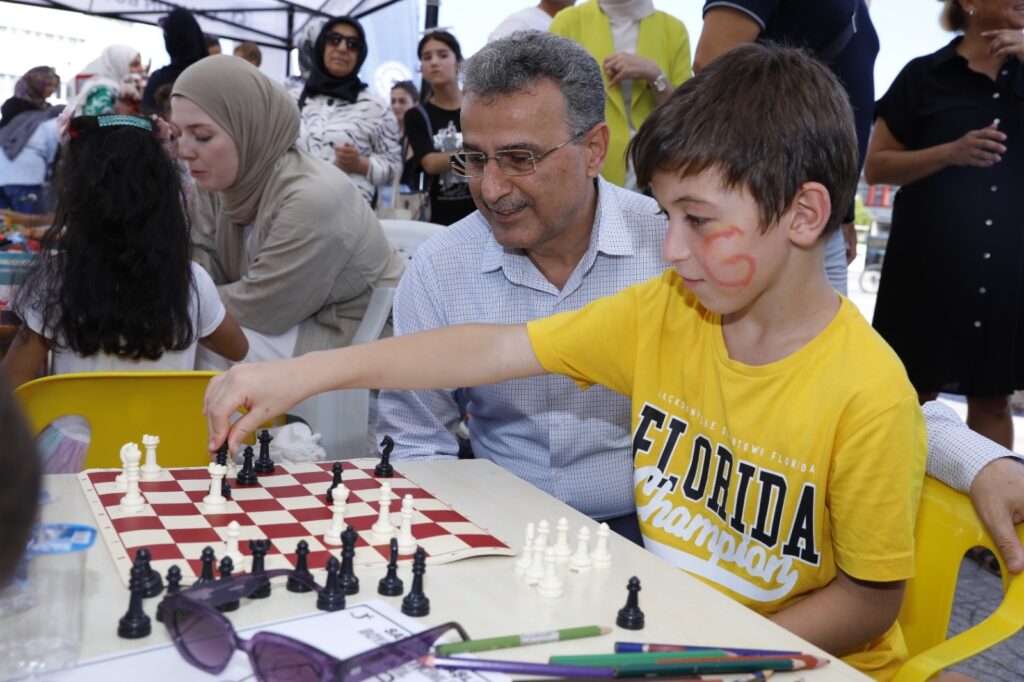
column 116, row 276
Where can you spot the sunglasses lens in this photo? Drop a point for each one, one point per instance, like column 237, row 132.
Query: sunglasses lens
column 206, row 642
column 276, row 661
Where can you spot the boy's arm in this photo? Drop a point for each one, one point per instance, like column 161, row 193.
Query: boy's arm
column 465, row 355
column 845, row 614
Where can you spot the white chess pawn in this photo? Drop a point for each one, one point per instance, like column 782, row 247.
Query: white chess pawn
column 333, row 534
column 383, row 529
column 536, row 570
column 215, row 502
column 526, row 557
column 406, row 541
column 562, row 549
column 601, row 557
column 121, row 481
column 133, row 501
column 550, row 585
column 543, row 531
column 581, row 561
column 231, row 537
column 151, row 469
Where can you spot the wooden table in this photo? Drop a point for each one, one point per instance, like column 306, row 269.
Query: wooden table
column 483, row 594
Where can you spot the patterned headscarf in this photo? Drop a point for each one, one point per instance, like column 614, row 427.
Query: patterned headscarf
column 33, row 85
column 258, row 114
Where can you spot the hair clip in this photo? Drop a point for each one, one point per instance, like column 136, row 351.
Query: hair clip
column 123, row 120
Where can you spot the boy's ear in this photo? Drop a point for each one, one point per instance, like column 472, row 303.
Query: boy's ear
column 810, row 211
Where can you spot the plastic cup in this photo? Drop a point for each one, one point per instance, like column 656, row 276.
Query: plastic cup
column 41, row 609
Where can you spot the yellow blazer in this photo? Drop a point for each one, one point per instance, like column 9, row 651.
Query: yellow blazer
column 663, row 38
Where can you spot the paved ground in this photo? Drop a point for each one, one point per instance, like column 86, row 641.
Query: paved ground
column 978, row 592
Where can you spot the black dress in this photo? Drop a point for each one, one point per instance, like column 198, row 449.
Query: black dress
column 950, row 300
column 450, row 200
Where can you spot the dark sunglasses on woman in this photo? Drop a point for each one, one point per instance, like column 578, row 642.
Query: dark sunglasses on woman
column 335, row 39
column 208, row 640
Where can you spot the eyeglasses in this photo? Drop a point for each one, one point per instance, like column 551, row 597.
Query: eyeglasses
column 512, row 162
column 207, row 639
column 335, row 39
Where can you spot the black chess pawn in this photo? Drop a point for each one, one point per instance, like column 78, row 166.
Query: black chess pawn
column 416, row 602
column 330, row 495
column 135, row 623
column 336, row 474
column 173, row 587
column 384, row 468
column 247, row 474
column 349, row 581
column 225, row 488
column 391, row 585
column 226, row 567
column 264, row 465
column 152, row 584
column 258, row 549
column 630, row 616
column 302, row 567
column 206, row 573
column 331, row 597
column 221, row 456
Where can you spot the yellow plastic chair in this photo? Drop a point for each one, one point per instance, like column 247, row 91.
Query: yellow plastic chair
column 120, row 407
column 947, row 526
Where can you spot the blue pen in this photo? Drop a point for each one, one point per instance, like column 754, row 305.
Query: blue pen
column 637, row 647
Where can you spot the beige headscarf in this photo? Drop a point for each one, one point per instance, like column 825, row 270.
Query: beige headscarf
column 258, row 114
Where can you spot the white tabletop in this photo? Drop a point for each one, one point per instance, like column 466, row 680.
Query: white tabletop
column 483, row 594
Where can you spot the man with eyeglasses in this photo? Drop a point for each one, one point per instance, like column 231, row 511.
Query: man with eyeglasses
column 550, row 235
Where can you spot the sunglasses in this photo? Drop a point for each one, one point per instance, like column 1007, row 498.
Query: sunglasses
column 207, row 639
column 335, row 39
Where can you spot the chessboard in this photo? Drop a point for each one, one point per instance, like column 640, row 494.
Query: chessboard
column 284, row 507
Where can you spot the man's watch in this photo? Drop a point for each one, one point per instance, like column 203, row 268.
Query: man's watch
column 660, row 84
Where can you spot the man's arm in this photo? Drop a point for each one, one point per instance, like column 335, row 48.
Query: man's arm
column 466, row 355
column 991, row 474
column 724, row 29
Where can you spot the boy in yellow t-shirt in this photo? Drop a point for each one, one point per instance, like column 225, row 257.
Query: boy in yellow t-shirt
column 778, row 445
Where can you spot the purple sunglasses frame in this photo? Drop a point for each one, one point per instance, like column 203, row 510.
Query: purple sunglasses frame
column 203, row 599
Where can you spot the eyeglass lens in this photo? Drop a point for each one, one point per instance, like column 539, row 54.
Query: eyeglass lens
column 510, row 162
column 335, row 39
column 277, row 662
column 206, row 641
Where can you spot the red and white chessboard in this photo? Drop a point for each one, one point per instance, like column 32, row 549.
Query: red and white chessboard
column 284, row 507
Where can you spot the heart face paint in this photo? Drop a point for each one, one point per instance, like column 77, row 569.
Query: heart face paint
column 720, row 261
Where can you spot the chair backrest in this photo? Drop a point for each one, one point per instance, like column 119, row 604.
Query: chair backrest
column 342, row 417
column 120, row 407
column 947, row 527
column 407, row 235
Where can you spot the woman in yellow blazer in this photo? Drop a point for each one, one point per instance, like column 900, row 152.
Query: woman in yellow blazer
column 645, row 54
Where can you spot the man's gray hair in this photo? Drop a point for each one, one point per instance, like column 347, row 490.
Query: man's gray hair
column 515, row 63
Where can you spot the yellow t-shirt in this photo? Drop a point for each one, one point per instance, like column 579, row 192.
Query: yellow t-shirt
column 759, row 480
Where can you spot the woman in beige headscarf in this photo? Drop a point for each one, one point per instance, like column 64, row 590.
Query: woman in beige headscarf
column 295, row 250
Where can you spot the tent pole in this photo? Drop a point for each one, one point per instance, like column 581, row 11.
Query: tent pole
column 288, row 42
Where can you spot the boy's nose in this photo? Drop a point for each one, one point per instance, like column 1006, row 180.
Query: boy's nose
column 675, row 249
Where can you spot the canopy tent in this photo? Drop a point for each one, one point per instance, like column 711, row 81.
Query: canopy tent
column 269, row 23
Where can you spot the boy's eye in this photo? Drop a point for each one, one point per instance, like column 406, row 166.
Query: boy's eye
column 202, row 139
column 697, row 221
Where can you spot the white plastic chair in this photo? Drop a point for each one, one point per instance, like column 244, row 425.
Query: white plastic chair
column 407, row 235
column 342, row 417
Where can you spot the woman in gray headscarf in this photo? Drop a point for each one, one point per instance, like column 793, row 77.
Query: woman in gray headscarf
column 294, row 249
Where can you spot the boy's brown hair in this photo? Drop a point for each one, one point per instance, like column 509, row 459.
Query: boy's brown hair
column 768, row 118
column 250, row 52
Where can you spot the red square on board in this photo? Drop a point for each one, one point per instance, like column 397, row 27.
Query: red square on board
column 283, row 530
column 129, row 523
column 427, row 530
column 102, row 476
column 417, row 493
column 250, row 506
column 361, row 523
column 281, row 491
column 176, row 509
column 441, row 515
column 312, row 477
column 481, row 541
column 207, row 535
column 312, row 514
column 159, row 486
column 160, row 552
column 362, row 484
column 190, row 474
column 316, row 560
column 111, row 500
column 222, row 520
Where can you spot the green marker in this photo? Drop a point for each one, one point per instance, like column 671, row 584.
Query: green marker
column 509, row 641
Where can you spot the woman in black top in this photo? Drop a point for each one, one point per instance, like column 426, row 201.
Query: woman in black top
column 951, row 301
column 440, row 56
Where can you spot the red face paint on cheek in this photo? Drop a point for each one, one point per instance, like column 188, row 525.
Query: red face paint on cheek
column 722, row 264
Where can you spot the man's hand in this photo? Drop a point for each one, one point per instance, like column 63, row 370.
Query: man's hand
column 997, row 493
column 350, row 160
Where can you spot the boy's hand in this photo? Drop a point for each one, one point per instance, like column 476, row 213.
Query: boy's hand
column 264, row 389
column 997, row 493
column 627, row 66
column 981, row 148
column 1004, row 42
